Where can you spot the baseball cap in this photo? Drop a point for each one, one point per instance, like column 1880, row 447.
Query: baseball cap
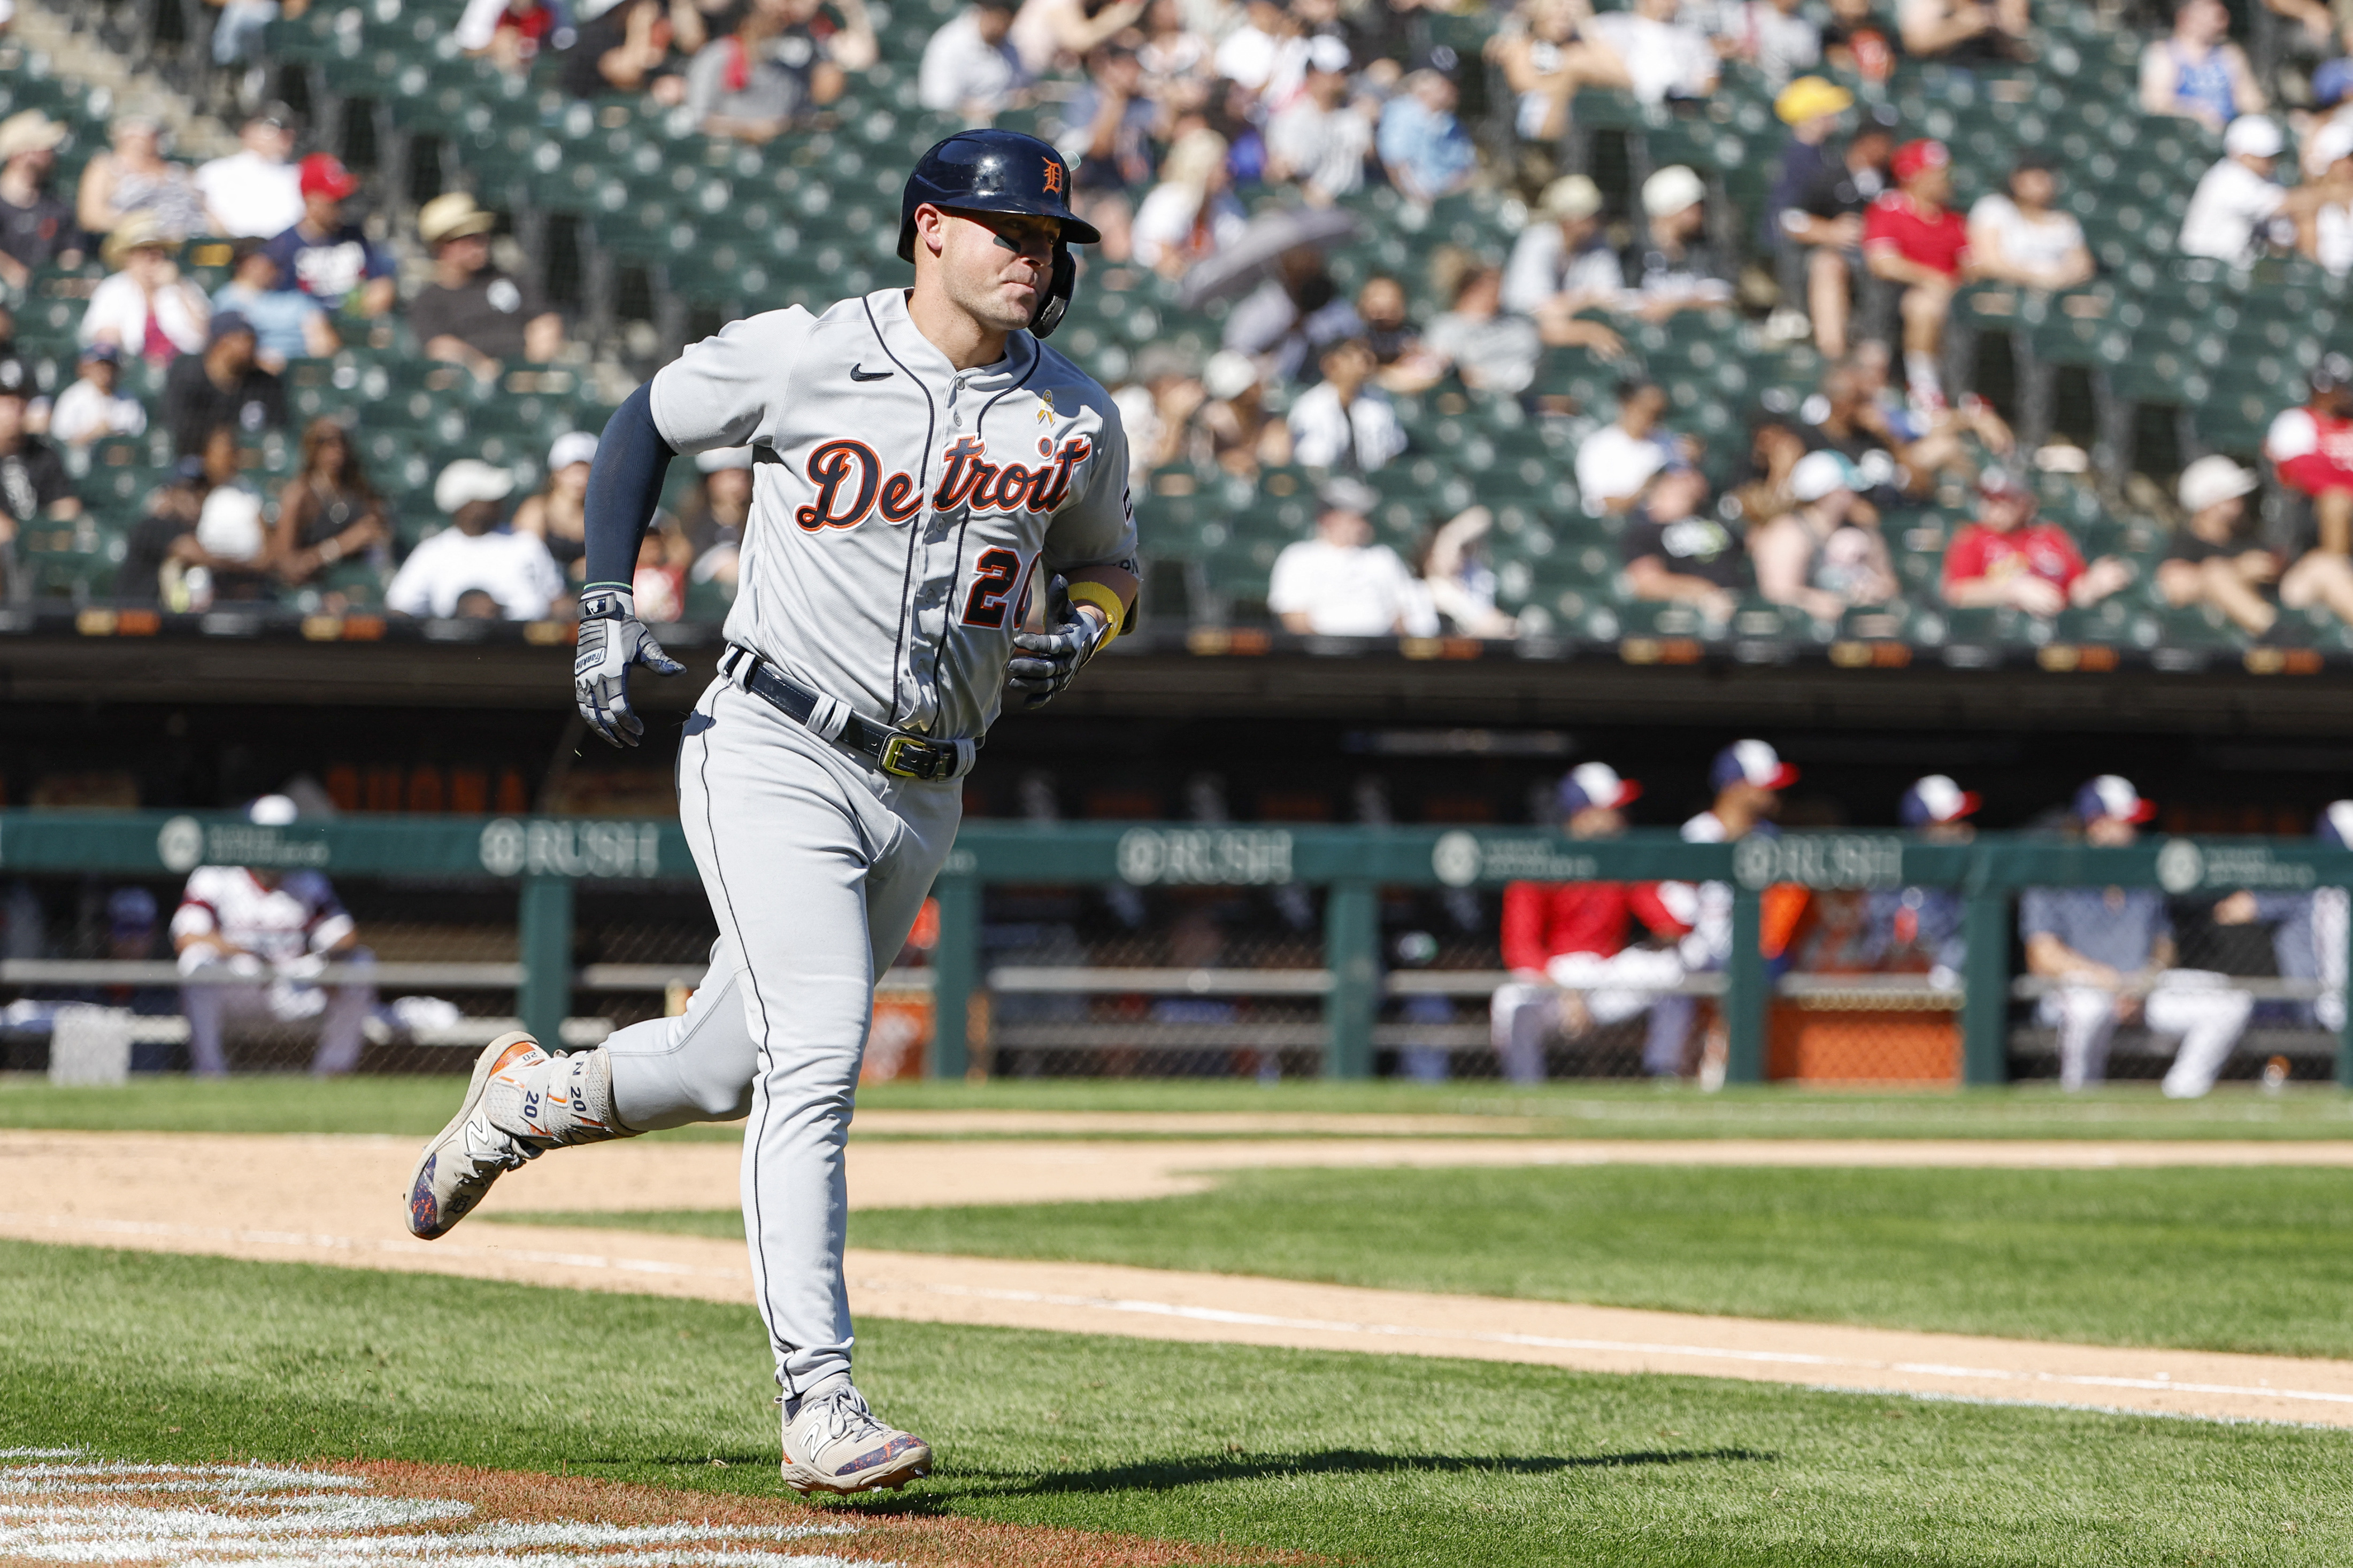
column 2253, row 136
column 1936, row 799
column 130, row 910
column 2332, row 141
column 1818, row 474
column 1752, row 762
column 1670, row 190
column 272, row 811
column 275, row 113
column 1914, row 157
column 2336, row 824
column 1810, row 97
column 1571, row 195
column 1595, row 784
column 1345, row 494
column 2212, row 480
column 323, row 174
column 2332, row 82
column 105, row 352
column 470, row 479
column 1328, row 55
column 1229, row 374
column 229, row 526
column 226, row 324
column 572, row 447
column 720, row 457
column 2112, row 795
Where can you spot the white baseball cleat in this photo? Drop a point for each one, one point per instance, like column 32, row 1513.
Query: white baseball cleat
column 833, row 1444
column 462, row 1161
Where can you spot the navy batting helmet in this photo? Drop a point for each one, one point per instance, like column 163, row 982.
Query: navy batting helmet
column 1001, row 172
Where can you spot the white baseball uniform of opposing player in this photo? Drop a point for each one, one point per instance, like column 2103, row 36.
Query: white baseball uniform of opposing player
column 902, row 512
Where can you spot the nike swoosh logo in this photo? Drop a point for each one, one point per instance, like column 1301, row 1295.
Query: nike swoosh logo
column 859, row 373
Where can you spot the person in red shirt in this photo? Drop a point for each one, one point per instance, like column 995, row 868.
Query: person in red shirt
column 2312, row 447
column 1910, row 237
column 1566, row 943
column 2007, row 557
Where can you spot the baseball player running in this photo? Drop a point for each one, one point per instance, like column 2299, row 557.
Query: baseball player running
column 923, row 468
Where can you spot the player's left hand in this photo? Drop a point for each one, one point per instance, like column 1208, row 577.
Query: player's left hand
column 1045, row 662
column 612, row 638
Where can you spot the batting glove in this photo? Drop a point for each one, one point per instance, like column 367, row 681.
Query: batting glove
column 612, row 638
column 1045, row 662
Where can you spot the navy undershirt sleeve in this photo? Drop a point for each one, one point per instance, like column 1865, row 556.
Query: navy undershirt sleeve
column 624, row 488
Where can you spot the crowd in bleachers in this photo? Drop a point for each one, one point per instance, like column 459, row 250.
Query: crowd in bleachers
column 1670, row 318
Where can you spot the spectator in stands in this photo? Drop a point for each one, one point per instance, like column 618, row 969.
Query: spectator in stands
column 1461, row 583
column 1422, row 145
column 1242, row 434
column 95, row 406
column 1191, row 214
column 512, row 34
column 262, row 938
column 2239, row 214
column 162, row 540
column 1175, row 58
column 2021, row 238
column 1561, row 266
column 1910, row 237
column 1675, row 553
column 287, row 323
column 1059, row 34
column 235, row 545
column 558, row 515
column 2332, row 104
column 34, row 485
column 223, row 385
column 1115, row 118
column 714, row 531
column 626, row 48
column 1671, row 266
column 1344, row 421
column 1899, row 450
column 255, row 192
column 1251, row 46
column 1656, row 56
column 471, row 555
column 1491, row 348
column 144, row 306
column 658, row 581
column 2110, row 951
column 132, row 178
column 2006, row 557
column 2326, row 237
column 1964, row 32
column 1776, row 448
column 328, row 512
column 1544, row 65
column 2209, row 563
column 1774, row 35
column 1617, row 461
column 1818, row 556
column 969, row 67
column 238, row 35
column 1857, row 39
column 1582, row 955
column 37, row 229
column 1814, row 216
column 774, row 68
column 329, row 258
column 1320, row 142
column 2312, row 450
column 1342, row 585
column 1293, row 316
column 1389, row 330
column 2196, row 73
column 472, row 313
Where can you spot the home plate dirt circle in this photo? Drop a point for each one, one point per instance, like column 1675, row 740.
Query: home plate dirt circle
column 63, row 1506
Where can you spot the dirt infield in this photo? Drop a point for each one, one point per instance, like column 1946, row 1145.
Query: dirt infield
column 337, row 1201
column 59, row 1507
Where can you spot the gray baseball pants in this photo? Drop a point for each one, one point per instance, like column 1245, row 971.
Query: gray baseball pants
column 816, row 867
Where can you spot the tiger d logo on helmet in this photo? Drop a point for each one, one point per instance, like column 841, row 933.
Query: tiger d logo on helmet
column 990, row 170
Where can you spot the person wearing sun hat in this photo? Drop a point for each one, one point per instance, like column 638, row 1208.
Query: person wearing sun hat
column 473, row 313
column 37, row 226
column 2108, row 955
column 1577, row 956
column 143, row 306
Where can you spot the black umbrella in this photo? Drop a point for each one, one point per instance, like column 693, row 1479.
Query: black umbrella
column 1255, row 250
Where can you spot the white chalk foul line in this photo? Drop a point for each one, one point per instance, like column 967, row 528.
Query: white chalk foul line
column 1616, row 1347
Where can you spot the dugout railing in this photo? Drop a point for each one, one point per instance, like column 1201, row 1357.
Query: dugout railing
column 1338, row 994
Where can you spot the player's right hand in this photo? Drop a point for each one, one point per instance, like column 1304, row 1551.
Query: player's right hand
column 612, row 638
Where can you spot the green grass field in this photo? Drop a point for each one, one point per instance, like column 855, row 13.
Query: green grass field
column 1374, row 1461
column 2213, row 1259
column 292, row 1103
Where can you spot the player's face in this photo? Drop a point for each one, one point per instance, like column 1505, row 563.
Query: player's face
column 996, row 266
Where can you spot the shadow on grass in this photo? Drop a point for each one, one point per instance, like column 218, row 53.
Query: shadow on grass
column 1160, row 1475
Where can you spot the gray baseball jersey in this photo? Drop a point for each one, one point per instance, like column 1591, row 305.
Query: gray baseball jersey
column 903, row 510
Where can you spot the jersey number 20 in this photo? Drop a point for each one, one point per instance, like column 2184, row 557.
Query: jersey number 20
column 993, row 578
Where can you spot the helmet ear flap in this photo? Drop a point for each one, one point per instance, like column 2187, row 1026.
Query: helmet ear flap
column 1057, row 303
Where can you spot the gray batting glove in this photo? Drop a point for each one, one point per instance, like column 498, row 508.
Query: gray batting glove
column 612, row 638
column 1045, row 662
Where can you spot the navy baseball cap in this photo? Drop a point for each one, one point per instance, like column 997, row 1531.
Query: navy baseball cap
column 1595, row 784
column 227, row 322
column 2335, row 826
column 1936, row 800
column 1752, row 762
column 130, row 910
column 2112, row 795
